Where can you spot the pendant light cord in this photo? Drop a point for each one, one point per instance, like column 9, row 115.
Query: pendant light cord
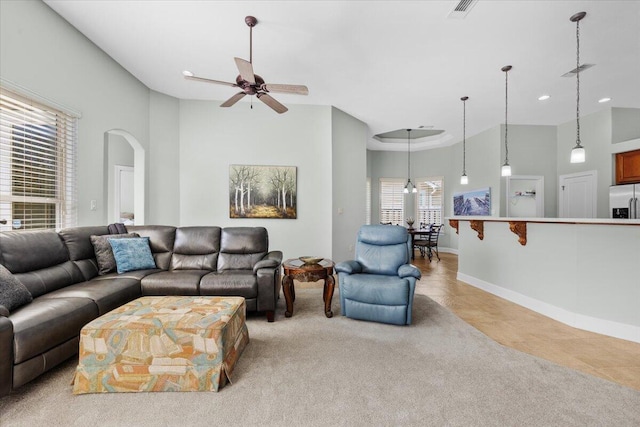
column 578, row 83
column 506, row 108
column 464, row 138
column 408, row 157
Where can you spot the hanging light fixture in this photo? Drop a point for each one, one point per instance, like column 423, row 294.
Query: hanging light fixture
column 578, row 154
column 409, row 183
column 464, row 179
column 506, row 168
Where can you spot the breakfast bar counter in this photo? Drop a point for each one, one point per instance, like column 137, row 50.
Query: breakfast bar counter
column 582, row 272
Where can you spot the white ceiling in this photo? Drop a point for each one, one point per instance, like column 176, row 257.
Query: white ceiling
column 391, row 64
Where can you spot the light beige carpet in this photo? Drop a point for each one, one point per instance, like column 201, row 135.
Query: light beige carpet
column 310, row 370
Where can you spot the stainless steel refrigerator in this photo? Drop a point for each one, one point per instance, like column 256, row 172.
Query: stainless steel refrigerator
column 623, row 201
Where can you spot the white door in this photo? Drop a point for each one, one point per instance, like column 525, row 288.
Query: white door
column 578, row 195
column 123, row 197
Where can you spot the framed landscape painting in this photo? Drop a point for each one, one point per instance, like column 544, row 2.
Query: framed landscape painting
column 472, row 203
column 263, row 191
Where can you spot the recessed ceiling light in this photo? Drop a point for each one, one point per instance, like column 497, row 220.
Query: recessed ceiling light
column 187, row 73
column 544, row 98
column 603, row 100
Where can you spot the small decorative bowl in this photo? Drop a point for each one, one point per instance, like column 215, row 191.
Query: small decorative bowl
column 310, row 259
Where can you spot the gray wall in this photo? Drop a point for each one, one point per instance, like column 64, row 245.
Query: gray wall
column 532, row 151
column 349, row 172
column 625, row 124
column 79, row 76
column 599, row 133
column 212, row 138
column 163, row 191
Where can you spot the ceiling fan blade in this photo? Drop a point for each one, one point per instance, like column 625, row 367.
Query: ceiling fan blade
column 235, row 98
column 279, row 88
column 271, row 102
column 202, row 79
column 246, row 70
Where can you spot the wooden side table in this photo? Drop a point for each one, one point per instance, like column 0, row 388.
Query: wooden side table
column 298, row 270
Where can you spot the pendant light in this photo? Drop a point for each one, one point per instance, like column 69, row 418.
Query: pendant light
column 464, row 179
column 506, row 168
column 578, row 154
column 409, row 183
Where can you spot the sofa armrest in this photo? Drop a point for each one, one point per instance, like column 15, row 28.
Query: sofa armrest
column 265, row 263
column 408, row 270
column 275, row 255
column 6, row 355
column 4, row 311
column 349, row 267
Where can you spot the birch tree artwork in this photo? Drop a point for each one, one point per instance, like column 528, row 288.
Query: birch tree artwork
column 262, row 191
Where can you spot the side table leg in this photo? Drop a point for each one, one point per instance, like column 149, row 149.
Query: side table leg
column 287, row 289
column 329, row 285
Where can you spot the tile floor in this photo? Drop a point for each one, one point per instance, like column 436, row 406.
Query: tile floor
column 525, row 330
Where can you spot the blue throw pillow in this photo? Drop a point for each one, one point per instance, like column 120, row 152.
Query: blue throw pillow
column 132, row 254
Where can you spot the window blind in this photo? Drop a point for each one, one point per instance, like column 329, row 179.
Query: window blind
column 429, row 200
column 391, row 201
column 37, row 165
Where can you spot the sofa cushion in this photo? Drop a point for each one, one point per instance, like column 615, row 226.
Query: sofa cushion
column 161, row 238
column 22, row 251
column 132, row 254
column 39, row 282
column 78, row 243
column 47, row 323
column 242, row 247
column 196, row 248
column 107, row 293
column 175, row 282
column 104, row 253
column 13, row 294
column 241, row 283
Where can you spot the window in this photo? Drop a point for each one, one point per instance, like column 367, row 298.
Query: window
column 391, row 201
column 429, row 200
column 37, row 169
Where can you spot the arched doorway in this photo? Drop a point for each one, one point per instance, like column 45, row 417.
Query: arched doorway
column 110, row 138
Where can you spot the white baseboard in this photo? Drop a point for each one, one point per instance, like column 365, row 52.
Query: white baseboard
column 580, row 321
column 449, row 250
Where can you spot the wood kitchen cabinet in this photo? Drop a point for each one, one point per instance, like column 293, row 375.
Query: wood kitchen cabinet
column 628, row 167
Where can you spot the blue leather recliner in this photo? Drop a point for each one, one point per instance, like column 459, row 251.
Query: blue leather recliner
column 380, row 283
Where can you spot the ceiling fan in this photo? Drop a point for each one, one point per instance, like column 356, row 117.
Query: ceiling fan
column 250, row 83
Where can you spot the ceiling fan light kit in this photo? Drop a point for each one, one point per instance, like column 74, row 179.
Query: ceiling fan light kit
column 251, row 83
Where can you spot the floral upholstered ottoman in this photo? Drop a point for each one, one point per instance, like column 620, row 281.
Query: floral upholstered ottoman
column 170, row 343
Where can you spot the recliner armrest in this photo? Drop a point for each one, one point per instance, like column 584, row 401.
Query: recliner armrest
column 408, row 270
column 349, row 267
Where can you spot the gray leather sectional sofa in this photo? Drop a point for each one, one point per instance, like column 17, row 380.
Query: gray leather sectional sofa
column 61, row 273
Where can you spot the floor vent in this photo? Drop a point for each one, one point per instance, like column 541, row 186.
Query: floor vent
column 573, row 72
column 462, row 8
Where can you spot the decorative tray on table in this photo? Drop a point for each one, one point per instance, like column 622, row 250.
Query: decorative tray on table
column 310, row 259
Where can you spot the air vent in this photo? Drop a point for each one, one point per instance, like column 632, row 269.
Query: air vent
column 462, row 8
column 575, row 70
